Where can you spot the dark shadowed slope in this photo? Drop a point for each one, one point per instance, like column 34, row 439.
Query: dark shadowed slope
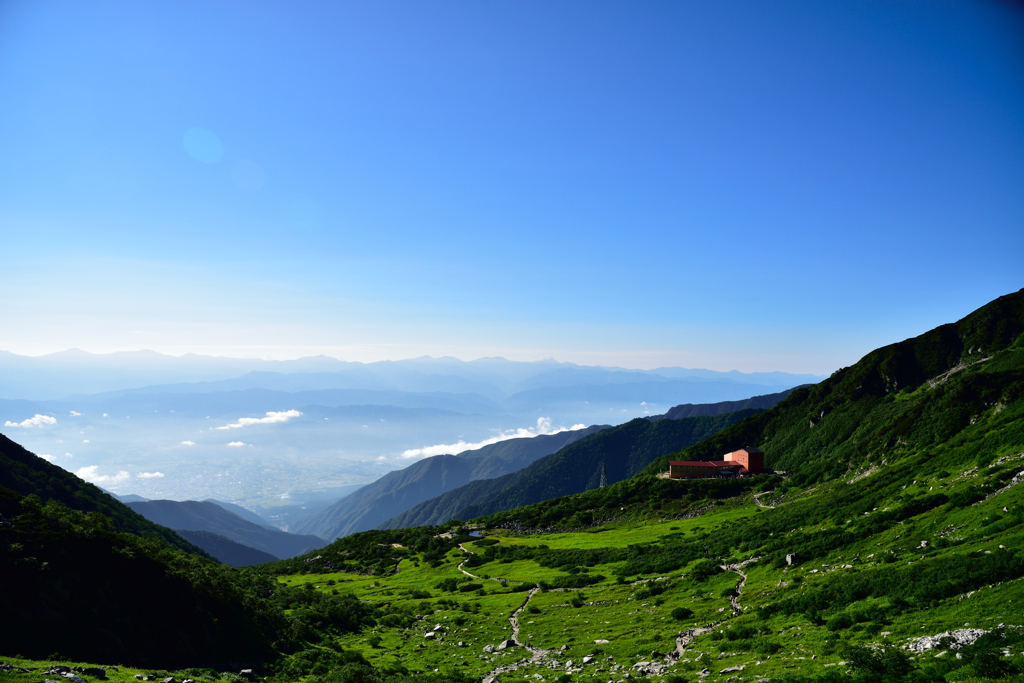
column 624, row 451
column 203, row 516
column 226, row 550
column 27, row 474
column 697, row 409
column 398, row 491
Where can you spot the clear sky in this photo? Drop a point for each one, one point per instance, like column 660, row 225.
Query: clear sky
column 732, row 185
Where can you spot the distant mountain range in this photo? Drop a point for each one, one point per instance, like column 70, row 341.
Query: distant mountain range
column 191, row 428
column 75, row 372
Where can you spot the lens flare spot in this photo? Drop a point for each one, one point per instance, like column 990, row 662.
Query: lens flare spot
column 203, row 145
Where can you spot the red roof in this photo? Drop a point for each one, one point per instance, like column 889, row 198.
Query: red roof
column 701, row 463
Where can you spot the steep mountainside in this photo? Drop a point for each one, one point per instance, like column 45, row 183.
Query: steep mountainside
column 72, row 585
column 907, row 395
column 697, row 409
column 623, row 450
column 193, row 515
column 398, row 491
column 226, row 550
column 28, row 474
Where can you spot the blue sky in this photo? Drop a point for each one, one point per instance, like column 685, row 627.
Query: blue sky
column 732, row 185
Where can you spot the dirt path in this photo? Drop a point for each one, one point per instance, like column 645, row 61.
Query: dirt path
column 470, row 552
column 769, row 506
column 536, row 653
column 738, row 568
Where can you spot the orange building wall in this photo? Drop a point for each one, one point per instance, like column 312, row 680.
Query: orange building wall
column 754, row 462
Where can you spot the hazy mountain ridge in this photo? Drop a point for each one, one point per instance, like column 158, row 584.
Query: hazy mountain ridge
column 399, row 490
column 697, row 409
column 74, row 372
column 193, row 515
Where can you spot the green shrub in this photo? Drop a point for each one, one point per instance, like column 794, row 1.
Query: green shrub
column 839, row 622
column 682, row 613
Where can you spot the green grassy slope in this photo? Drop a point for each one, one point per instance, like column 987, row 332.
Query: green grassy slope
column 624, row 450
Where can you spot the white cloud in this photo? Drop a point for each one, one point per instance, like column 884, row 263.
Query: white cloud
column 151, row 475
column 47, row 458
column 104, row 415
column 543, row 427
column 75, row 413
column 37, row 421
column 188, row 443
column 271, row 418
column 91, row 474
column 85, row 440
column 236, row 444
column 68, row 455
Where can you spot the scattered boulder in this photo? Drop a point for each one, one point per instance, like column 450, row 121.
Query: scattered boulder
column 73, row 678
column 793, row 559
column 247, row 674
column 600, row 642
column 730, row 670
column 506, row 644
column 588, row 659
column 488, row 649
column 656, row 655
column 953, row 639
column 461, row 644
column 430, row 635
